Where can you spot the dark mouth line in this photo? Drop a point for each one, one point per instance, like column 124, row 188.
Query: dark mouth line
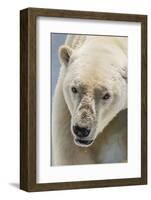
column 85, row 142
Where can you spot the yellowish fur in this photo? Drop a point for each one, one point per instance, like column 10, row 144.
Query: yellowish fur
column 94, row 61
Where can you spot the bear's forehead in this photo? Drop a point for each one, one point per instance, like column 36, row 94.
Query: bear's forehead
column 90, row 72
column 89, row 77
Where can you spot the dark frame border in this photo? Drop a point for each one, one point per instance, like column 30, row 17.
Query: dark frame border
column 28, row 98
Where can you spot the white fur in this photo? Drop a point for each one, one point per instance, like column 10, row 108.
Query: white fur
column 95, row 61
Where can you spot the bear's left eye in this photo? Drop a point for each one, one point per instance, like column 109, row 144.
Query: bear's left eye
column 74, row 90
column 106, row 96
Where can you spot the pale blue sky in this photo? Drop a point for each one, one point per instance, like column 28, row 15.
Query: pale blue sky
column 57, row 39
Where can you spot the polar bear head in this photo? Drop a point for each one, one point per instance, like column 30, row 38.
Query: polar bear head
column 94, row 88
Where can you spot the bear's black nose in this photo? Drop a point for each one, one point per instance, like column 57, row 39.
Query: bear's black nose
column 81, row 131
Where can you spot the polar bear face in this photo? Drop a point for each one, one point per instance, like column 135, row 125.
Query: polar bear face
column 95, row 91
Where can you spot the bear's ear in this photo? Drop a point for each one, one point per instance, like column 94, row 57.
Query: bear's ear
column 65, row 54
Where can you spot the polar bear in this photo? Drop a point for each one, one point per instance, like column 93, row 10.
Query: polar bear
column 89, row 114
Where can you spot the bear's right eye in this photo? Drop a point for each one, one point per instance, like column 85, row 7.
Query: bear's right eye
column 74, row 90
column 106, row 96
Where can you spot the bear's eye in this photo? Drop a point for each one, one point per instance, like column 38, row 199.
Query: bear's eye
column 74, row 90
column 106, row 96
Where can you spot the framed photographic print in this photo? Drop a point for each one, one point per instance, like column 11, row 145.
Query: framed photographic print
column 83, row 93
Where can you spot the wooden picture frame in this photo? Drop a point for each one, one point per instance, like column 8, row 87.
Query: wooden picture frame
column 28, row 98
